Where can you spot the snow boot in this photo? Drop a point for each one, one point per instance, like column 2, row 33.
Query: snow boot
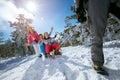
column 43, row 57
column 48, row 56
column 100, row 70
column 57, row 52
column 40, row 56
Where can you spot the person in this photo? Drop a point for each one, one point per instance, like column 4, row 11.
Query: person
column 97, row 18
column 50, row 45
column 42, row 46
column 33, row 39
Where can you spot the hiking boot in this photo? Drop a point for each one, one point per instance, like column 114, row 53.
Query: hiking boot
column 100, row 70
column 57, row 52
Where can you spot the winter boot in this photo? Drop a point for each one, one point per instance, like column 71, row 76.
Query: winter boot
column 40, row 56
column 57, row 52
column 100, row 70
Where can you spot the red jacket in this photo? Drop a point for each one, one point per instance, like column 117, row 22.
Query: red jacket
column 33, row 36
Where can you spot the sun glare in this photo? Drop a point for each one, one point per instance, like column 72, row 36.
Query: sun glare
column 31, row 6
column 26, row 14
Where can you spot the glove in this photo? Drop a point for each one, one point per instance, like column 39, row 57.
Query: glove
column 36, row 41
column 55, row 36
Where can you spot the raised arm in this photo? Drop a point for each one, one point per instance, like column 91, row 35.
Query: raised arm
column 51, row 31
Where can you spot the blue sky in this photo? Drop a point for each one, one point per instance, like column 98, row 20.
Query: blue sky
column 48, row 13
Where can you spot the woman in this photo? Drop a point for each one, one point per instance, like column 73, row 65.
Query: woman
column 33, row 39
column 50, row 45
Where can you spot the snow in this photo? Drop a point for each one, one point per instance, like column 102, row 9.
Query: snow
column 74, row 64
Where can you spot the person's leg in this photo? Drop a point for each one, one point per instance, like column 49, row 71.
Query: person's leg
column 56, row 46
column 42, row 47
column 48, row 48
column 36, row 48
column 98, row 13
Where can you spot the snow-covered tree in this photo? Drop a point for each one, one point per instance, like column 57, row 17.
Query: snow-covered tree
column 113, row 29
column 80, row 34
column 19, row 36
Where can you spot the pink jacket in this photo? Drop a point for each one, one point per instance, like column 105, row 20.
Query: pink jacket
column 33, row 36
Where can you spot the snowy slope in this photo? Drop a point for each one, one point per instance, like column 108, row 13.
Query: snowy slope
column 74, row 64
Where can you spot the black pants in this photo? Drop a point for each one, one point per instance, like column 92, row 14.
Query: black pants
column 97, row 13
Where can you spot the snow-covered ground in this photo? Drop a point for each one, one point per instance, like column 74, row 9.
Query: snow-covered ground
column 74, row 64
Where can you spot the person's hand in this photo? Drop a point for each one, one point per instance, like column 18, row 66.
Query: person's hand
column 55, row 36
column 27, row 44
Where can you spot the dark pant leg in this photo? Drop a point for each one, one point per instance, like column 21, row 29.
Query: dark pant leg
column 97, row 12
column 115, row 8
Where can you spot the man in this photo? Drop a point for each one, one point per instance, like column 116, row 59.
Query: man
column 97, row 17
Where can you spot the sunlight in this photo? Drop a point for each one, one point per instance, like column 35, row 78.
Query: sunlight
column 26, row 14
column 31, row 6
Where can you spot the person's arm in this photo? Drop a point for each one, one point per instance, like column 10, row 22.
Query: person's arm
column 51, row 31
column 54, row 36
column 27, row 44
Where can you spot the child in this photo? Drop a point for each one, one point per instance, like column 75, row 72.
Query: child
column 42, row 46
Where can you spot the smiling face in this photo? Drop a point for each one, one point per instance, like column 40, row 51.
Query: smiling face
column 41, row 36
column 30, row 30
column 46, row 36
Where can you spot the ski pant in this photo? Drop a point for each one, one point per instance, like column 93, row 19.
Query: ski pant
column 42, row 47
column 37, row 49
column 50, row 47
column 55, row 46
column 97, row 15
